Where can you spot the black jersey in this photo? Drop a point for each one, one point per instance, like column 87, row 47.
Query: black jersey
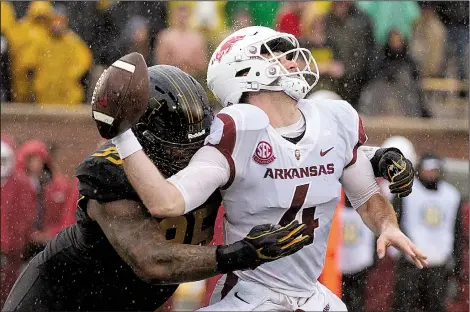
column 81, row 266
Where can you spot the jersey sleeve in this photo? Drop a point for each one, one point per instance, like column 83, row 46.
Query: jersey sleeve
column 352, row 130
column 359, row 182
column 206, row 172
column 102, row 177
column 233, row 133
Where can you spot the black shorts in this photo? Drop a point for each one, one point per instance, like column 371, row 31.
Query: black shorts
column 64, row 278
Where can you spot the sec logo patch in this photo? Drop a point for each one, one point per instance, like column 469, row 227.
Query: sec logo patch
column 264, row 153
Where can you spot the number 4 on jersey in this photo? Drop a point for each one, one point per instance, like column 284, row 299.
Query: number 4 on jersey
column 308, row 214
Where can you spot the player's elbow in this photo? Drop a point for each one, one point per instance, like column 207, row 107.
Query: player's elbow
column 165, row 210
column 170, row 205
column 154, row 268
column 154, row 274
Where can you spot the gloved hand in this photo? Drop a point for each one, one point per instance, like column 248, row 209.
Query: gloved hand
column 264, row 243
column 398, row 170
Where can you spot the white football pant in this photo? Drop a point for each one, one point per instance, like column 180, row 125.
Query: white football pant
column 249, row 296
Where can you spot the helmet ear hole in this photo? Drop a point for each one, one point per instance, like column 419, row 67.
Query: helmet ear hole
column 157, row 88
column 243, row 72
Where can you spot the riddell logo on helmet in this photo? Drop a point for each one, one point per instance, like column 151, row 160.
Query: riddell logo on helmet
column 263, row 153
column 197, row 134
column 226, row 47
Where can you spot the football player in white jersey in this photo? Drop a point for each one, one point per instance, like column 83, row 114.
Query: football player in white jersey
column 277, row 158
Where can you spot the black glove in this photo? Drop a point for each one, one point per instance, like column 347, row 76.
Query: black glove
column 264, row 243
column 398, row 170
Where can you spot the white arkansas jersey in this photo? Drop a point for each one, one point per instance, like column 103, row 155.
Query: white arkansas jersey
column 275, row 181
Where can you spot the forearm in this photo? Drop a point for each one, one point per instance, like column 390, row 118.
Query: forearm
column 139, row 241
column 185, row 263
column 161, row 262
column 378, row 214
column 159, row 196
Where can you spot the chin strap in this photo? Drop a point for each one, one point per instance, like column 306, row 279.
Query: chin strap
column 296, row 88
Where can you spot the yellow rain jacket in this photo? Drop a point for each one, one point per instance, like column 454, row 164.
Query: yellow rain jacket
column 62, row 62
column 29, row 34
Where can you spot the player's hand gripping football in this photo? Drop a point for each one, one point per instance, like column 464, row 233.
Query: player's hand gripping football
column 264, row 243
column 393, row 236
column 398, row 171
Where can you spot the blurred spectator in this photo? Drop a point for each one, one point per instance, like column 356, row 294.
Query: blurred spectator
column 241, row 18
column 315, row 39
column 67, row 217
column 454, row 15
column 31, row 32
column 135, row 38
column 427, row 45
column 8, row 18
column 155, row 12
column 51, row 191
column 357, row 256
column 5, row 68
column 62, row 62
column 209, row 18
column 289, row 18
column 395, row 91
column 182, row 47
column 388, row 15
column 263, row 12
column 100, row 29
column 461, row 300
column 7, row 22
column 430, row 216
column 16, row 217
column 314, row 8
column 350, row 34
column 103, row 30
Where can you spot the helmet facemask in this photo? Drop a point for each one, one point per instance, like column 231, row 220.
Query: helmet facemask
column 295, row 84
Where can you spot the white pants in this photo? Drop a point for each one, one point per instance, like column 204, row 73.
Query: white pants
column 249, row 296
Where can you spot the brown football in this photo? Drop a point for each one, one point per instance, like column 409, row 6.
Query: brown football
column 120, row 96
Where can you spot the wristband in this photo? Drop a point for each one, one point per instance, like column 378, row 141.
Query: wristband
column 126, row 144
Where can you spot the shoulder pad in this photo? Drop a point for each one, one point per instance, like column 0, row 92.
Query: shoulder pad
column 338, row 108
column 102, row 177
column 236, row 119
column 247, row 117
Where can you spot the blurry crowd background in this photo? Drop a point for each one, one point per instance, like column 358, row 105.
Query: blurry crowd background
column 395, row 58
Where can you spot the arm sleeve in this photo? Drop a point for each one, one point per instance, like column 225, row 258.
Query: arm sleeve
column 359, row 181
column 351, row 130
column 206, row 172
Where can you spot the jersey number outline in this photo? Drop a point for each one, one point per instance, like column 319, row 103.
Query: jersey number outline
column 308, row 214
column 111, row 154
column 195, row 228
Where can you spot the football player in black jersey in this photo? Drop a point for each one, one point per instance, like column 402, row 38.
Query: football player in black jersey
column 117, row 256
